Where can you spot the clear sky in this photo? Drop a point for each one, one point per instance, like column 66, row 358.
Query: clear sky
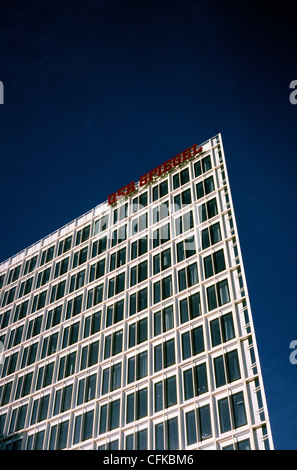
column 98, row 92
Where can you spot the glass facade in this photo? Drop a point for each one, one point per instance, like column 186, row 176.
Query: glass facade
column 131, row 328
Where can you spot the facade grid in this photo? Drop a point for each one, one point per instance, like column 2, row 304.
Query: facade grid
column 131, row 327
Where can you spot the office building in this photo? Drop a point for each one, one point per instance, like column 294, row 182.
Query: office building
column 131, row 326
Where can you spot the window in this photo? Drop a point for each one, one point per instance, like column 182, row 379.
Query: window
column 95, row 296
column 70, row 334
column 80, row 257
column 120, row 213
column 218, row 295
column 181, row 200
column 14, row 274
column 162, row 261
column 97, row 270
column 188, row 276
column 160, row 212
column 89, row 355
column 227, row 368
column 137, row 332
column 53, row 317
column 61, row 267
column 119, row 235
column 205, row 187
column 138, row 301
column 111, row 378
column 137, row 367
column 99, row 246
column 113, row 344
column 58, row 291
column 222, row 329
column 211, row 235
column 137, row 441
column 195, row 381
column 139, row 224
column 136, row 405
column 64, row 245
column 115, row 313
column 163, row 320
column 30, row 265
column 58, row 436
column 232, row 412
column 101, row 225
column 208, row 210
column 184, row 223
column 214, row 263
column 185, row 249
column 139, row 247
column 139, row 202
column 92, row 324
column 117, row 259
column 164, row 355
column 198, row 425
column 116, row 284
column 109, row 416
column 82, row 235
column 26, row 287
column 77, row 281
column 45, row 375
column 161, row 235
column 160, row 190
column 202, row 166
column 165, row 393
column 162, row 289
column 192, row 342
column 74, row 306
column 190, row 307
column 83, row 426
column 166, row 435
column 43, row 278
column 138, row 273
column 181, row 178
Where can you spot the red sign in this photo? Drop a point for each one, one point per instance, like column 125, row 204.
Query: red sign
column 155, row 173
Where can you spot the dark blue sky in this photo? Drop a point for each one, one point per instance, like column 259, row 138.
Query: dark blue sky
column 99, row 92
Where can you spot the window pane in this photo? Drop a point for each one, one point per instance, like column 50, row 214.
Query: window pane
column 170, row 391
column 191, row 428
column 219, row 371
column 157, row 323
column 186, row 345
column 205, row 239
column 197, row 339
column 201, row 379
column 182, row 280
column 159, row 437
column 215, row 233
column 188, row 384
column 172, row 434
column 225, row 422
column 166, row 287
column 233, row 369
column 215, row 332
column 223, row 292
column 219, row 261
column 204, row 423
column 211, row 298
column 169, row 352
column 159, row 396
column 208, row 266
column 238, row 409
column 114, row 414
column 228, row 327
column 183, row 307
